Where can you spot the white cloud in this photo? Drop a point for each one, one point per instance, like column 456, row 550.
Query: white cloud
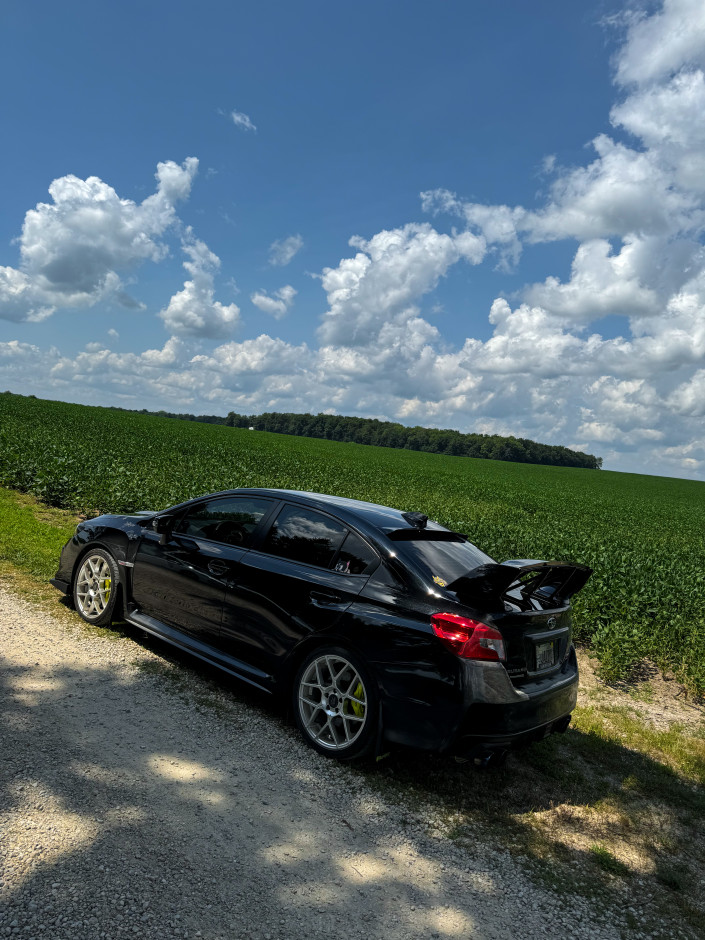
column 19, row 300
column 193, row 311
column 125, row 375
column 390, row 272
column 689, row 397
column 241, row 120
column 14, row 350
column 601, row 284
column 622, row 192
column 669, row 120
column 663, row 43
column 73, row 249
column 498, row 225
column 276, row 305
column 261, row 356
column 282, row 252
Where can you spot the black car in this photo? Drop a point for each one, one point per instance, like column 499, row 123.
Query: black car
column 383, row 626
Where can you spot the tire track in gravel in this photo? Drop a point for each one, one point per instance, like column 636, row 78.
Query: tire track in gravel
column 127, row 810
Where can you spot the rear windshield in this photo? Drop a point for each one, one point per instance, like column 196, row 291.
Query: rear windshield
column 443, row 562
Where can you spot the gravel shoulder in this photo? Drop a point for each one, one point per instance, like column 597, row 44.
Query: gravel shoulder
column 138, row 800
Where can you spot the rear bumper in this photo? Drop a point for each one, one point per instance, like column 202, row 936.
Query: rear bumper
column 490, row 713
column 60, row 585
column 501, row 715
column 505, row 727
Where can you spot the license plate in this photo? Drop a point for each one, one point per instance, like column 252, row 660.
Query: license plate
column 544, row 655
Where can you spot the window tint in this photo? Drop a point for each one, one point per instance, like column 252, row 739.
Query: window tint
column 355, row 555
column 304, row 535
column 231, row 519
column 443, row 562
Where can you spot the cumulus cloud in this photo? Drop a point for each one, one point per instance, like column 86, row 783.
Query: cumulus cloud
column 16, row 351
column 389, row 273
column 263, row 356
column 282, row 252
column 689, row 397
column 193, row 311
column 73, row 249
column 276, row 304
column 242, row 120
column 20, row 300
column 602, row 283
column 669, row 120
column 622, row 192
column 663, row 43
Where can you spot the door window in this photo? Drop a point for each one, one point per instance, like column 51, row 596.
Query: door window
column 230, row 519
column 305, row 535
column 355, row 556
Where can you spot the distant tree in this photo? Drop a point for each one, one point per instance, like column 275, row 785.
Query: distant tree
column 393, row 434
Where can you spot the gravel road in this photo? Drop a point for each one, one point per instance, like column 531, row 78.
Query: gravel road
column 138, row 802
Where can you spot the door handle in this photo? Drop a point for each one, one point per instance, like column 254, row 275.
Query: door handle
column 217, row 567
column 325, row 600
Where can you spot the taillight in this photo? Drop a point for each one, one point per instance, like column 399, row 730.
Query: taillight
column 468, row 638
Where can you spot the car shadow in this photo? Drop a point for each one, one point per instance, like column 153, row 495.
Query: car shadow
column 565, row 798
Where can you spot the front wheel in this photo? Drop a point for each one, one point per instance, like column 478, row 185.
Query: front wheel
column 335, row 704
column 95, row 587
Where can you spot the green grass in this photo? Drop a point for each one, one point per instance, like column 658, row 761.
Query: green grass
column 607, row 861
column 676, row 753
column 32, row 536
column 643, row 536
column 609, row 807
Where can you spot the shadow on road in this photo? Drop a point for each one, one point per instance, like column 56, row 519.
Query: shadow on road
column 164, row 800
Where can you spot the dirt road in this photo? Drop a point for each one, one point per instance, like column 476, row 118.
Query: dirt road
column 140, row 799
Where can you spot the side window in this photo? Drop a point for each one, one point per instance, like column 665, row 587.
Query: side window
column 304, row 535
column 231, row 519
column 355, row 556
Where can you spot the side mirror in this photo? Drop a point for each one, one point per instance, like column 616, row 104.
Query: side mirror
column 163, row 525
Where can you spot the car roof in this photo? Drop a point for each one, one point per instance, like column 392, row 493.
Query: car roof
column 383, row 518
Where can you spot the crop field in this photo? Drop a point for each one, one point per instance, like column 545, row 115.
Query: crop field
column 643, row 536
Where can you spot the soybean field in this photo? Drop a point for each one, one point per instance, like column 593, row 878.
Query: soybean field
column 643, row 536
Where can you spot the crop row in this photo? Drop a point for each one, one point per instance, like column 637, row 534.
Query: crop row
column 643, row 536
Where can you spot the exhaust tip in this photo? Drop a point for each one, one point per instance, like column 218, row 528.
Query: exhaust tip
column 490, row 758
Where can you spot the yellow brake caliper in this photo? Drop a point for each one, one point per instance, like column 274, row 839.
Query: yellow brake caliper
column 358, row 707
column 106, row 587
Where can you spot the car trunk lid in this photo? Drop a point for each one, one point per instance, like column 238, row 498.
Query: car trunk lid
column 530, row 605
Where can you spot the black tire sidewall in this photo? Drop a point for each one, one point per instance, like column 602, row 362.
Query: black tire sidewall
column 366, row 742
column 107, row 616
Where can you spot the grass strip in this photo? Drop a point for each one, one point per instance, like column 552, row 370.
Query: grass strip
column 31, row 534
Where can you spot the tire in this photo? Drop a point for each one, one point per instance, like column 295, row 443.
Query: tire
column 95, row 587
column 336, row 703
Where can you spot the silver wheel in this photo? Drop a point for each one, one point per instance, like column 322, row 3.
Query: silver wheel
column 94, row 587
column 332, row 702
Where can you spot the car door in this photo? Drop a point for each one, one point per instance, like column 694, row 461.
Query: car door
column 182, row 582
column 305, row 572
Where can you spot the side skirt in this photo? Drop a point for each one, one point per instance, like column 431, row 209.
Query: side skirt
column 234, row 667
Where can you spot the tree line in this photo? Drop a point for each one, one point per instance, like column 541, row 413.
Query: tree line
column 431, row 440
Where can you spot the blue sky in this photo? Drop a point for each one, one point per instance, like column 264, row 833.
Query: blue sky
column 482, row 216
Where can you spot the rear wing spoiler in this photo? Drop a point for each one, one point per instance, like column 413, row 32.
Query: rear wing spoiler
column 545, row 581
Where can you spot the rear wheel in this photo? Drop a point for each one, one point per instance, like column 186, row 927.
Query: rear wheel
column 95, row 587
column 335, row 703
